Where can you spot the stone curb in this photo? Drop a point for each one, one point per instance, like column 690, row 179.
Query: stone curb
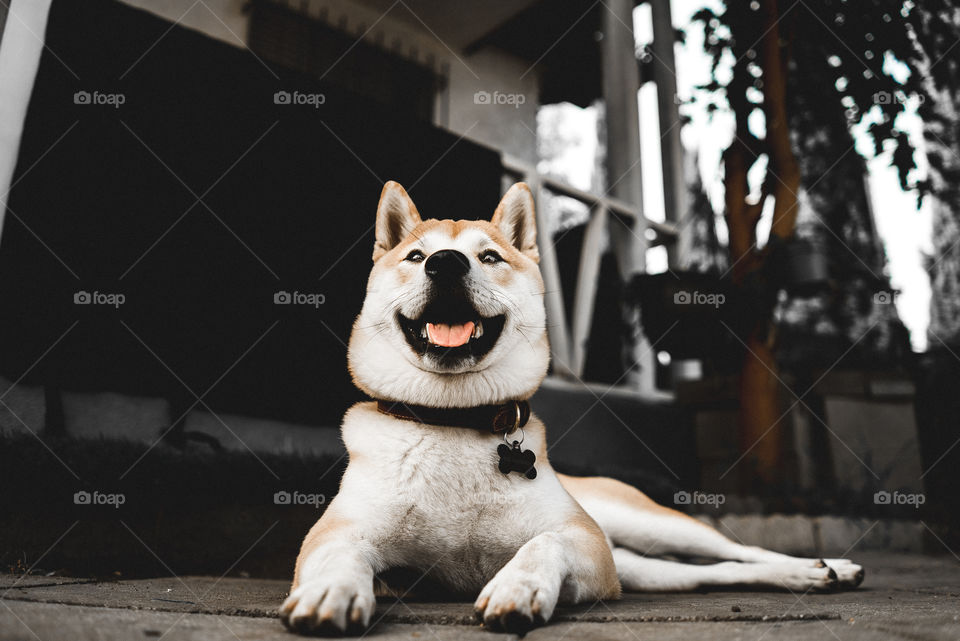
column 820, row 536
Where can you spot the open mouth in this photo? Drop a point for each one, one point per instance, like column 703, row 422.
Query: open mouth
column 452, row 336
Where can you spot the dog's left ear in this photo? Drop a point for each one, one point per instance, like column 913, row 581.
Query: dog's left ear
column 515, row 219
column 397, row 216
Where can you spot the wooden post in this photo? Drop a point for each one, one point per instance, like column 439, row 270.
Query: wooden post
column 761, row 433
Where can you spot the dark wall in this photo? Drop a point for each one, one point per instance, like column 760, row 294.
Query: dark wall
column 105, row 199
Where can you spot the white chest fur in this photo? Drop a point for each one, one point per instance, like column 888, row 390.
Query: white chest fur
column 438, row 499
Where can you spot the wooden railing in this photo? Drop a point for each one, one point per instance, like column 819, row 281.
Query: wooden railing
column 568, row 342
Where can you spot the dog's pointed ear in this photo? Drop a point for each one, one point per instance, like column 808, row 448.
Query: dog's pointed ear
column 515, row 219
column 396, row 218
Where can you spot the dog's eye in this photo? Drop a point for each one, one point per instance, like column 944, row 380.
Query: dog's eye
column 490, row 257
column 416, row 256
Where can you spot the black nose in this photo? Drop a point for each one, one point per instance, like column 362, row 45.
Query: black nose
column 447, row 265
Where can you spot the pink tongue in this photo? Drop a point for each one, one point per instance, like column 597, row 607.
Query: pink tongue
column 449, row 335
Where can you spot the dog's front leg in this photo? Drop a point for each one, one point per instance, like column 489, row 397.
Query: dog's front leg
column 525, row 591
column 332, row 590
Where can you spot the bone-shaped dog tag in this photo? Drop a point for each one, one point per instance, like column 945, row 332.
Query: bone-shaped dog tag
column 513, row 459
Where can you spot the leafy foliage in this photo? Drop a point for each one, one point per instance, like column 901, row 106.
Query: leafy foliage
column 935, row 26
column 869, row 47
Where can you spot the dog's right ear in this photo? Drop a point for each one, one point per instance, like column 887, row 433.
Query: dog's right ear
column 396, row 218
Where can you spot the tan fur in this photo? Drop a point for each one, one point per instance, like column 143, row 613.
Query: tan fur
column 452, row 228
column 594, row 546
column 617, row 491
column 321, row 531
column 393, row 198
column 527, row 244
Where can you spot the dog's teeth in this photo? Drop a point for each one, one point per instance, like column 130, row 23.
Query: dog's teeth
column 478, row 330
column 423, row 332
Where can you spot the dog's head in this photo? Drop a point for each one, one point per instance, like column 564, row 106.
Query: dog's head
column 454, row 313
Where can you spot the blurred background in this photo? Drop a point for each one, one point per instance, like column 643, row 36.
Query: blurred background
column 748, row 217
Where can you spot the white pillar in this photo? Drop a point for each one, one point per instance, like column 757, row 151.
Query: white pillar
column 20, row 47
column 671, row 148
column 621, row 84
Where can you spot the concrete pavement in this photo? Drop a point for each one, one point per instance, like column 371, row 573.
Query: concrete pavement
column 903, row 596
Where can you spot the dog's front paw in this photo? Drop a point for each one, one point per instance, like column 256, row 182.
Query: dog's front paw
column 516, row 602
column 329, row 606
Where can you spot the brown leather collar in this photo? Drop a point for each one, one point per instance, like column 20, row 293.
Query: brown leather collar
column 496, row 419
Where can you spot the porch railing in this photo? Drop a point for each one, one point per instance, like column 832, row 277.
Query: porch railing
column 568, row 341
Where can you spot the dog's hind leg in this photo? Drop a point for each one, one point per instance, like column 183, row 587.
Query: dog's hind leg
column 632, row 520
column 642, row 574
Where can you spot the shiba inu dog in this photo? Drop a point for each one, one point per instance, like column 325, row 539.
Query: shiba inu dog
column 448, row 473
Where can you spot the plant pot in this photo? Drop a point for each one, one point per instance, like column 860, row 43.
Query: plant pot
column 806, row 267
